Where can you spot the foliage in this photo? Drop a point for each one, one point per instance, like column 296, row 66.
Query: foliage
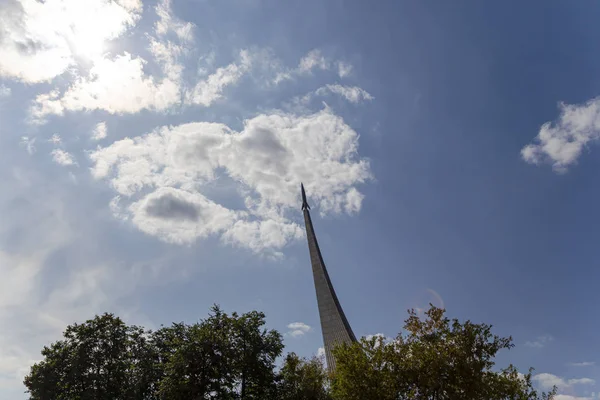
column 437, row 359
column 302, row 379
column 233, row 357
column 100, row 359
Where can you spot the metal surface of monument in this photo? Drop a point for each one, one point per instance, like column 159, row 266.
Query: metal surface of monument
column 334, row 325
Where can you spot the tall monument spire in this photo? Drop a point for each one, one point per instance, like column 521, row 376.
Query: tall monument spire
column 334, row 325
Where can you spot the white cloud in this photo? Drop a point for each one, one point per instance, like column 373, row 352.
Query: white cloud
column 167, row 55
column 266, row 161
column 376, row 335
column 298, row 329
column 29, row 144
column 582, row 364
column 569, row 397
column 40, row 40
column 321, row 352
column 99, row 131
column 313, row 60
column 178, row 216
column 560, row 143
column 4, row 91
column 540, row 341
column 581, row 381
column 548, row 381
column 258, row 235
column 55, row 139
column 62, row 157
column 353, row 94
column 116, row 85
column 344, row 69
column 168, row 23
column 209, row 90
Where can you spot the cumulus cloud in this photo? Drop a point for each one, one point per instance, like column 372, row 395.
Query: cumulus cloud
column 116, row 85
column 298, row 329
column 99, row 132
column 353, row 94
column 540, row 341
column 62, row 157
column 40, row 40
column 560, row 143
column 267, row 160
column 178, row 216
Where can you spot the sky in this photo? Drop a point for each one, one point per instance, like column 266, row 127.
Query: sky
column 151, row 156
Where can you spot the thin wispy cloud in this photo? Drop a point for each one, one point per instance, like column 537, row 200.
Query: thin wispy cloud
column 548, row 381
column 353, row 94
column 28, row 143
column 540, row 341
column 5, row 91
column 582, row 364
column 344, row 69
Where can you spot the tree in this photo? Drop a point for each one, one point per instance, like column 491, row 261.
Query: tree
column 302, row 379
column 223, row 357
column 198, row 359
column 100, row 359
column 232, row 357
column 256, row 350
column 437, row 359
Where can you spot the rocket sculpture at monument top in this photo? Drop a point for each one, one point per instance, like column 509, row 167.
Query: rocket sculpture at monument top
column 334, row 325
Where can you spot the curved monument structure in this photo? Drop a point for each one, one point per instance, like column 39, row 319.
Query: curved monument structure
column 334, row 325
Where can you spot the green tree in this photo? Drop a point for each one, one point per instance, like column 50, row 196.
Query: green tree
column 198, row 359
column 100, row 359
column 301, row 379
column 437, row 359
column 223, row 357
column 256, row 350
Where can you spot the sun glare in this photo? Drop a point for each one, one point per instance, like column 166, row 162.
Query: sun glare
column 88, row 46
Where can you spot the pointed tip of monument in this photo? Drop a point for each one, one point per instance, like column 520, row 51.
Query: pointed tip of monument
column 305, row 205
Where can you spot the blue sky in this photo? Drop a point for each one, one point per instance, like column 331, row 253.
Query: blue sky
column 151, row 155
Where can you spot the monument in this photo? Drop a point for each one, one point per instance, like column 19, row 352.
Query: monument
column 334, row 325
